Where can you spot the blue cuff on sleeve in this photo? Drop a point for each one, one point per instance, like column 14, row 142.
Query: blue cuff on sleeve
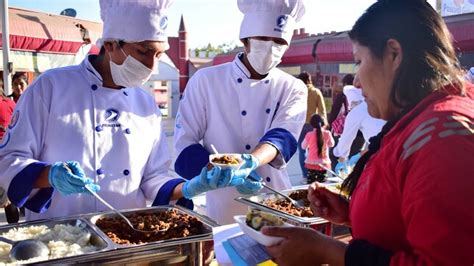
column 165, row 192
column 191, row 161
column 283, row 140
column 22, row 184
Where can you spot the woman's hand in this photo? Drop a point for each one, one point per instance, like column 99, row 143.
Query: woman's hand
column 304, row 246
column 328, row 204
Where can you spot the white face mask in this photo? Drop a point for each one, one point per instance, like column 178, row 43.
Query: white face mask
column 131, row 73
column 265, row 55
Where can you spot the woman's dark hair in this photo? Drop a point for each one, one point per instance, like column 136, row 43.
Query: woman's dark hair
column 305, row 77
column 348, row 79
column 429, row 61
column 317, row 122
column 20, row 75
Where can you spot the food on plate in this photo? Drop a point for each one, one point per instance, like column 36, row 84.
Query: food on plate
column 286, row 206
column 258, row 219
column 226, row 159
column 178, row 225
column 63, row 240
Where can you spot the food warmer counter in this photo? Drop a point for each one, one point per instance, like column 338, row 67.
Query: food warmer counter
column 277, row 205
column 191, row 238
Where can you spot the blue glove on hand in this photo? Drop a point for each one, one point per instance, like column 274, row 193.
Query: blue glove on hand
column 210, row 180
column 250, row 163
column 353, row 160
column 69, row 178
column 252, row 184
column 341, row 168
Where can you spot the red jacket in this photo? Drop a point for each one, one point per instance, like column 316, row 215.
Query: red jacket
column 6, row 111
column 416, row 194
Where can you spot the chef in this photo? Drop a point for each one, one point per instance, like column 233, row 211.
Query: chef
column 247, row 106
column 91, row 125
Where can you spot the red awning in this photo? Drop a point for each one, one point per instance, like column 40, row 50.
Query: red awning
column 42, row 32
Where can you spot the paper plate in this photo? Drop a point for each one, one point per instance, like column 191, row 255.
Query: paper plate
column 227, row 166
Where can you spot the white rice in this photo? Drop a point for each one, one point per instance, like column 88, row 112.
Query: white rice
column 62, row 241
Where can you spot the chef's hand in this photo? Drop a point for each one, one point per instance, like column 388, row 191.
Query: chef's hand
column 252, row 184
column 328, row 204
column 209, row 180
column 69, row 178
column 353, row 160
column 342, row 168
column 304, row 246
column 250, row 163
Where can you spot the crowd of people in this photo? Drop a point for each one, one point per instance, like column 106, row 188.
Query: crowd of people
column 401, row 129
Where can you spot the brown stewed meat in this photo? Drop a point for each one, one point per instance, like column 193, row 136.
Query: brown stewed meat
column 285, row 206
column 179, row 225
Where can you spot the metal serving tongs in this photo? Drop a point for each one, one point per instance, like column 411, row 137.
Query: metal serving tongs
column 115, row 210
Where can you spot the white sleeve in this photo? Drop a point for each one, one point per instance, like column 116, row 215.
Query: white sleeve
column 156, row 175
column 22, row 143
column 191, row 117
column 351, row 126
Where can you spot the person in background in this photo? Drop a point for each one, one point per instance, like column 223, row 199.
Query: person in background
column 470, row 75
column 315, row 106
column 411, row 194
column 357, row 120
column 19, row 85
column 91, row 127
column 317, row 142
column 247, row 106
column 339, row 110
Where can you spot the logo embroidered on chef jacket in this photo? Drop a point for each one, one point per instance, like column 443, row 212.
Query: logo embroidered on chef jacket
column 14, row 120
column 111, row 117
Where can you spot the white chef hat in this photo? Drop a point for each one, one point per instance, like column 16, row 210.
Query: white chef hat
column 270, row 18
column 134, row 20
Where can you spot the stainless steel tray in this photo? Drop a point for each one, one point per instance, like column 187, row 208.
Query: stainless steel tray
column 96, row 239
column 208, row 224
column 257, row 203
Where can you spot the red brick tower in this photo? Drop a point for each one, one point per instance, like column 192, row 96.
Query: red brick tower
column 183, row 56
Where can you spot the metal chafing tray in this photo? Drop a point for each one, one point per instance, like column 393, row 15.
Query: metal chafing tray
column 257, row 203
column 96, row 239
column 183, row 251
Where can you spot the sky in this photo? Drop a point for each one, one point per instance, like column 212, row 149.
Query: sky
column 218, row 21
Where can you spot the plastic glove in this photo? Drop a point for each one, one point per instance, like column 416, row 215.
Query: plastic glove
column 250, row 163
column 252, row 184
column 210, row 180
column 69, row 178
column 353, row 160
column 342, row 168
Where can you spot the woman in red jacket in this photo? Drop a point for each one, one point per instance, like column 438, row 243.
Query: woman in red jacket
column 411, row 196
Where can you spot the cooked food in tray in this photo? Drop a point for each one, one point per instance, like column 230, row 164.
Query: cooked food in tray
column 178, row 225
column 258, row 219
column 285, row 206
column 226, row 159
column 63, row 240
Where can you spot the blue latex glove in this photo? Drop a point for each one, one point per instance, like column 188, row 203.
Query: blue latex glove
column 353, row 160
column 341, row 168
column 252, row 184
column 250, row 163
column 69, row 178
column 209, row 180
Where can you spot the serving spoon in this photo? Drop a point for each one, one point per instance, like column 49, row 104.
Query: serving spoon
column 26, row 249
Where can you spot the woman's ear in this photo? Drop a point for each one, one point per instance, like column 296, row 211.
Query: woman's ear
column 394, row 53
column 246, row 43
column 109, row 46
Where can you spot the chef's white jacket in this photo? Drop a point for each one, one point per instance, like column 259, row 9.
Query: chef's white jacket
column 224, row 107
column 115, row 134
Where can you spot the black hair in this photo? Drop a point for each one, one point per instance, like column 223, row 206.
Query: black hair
column 429, row 61
column 102, row 49
column 348, row 79
column 318, row 123
column 305, row 77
